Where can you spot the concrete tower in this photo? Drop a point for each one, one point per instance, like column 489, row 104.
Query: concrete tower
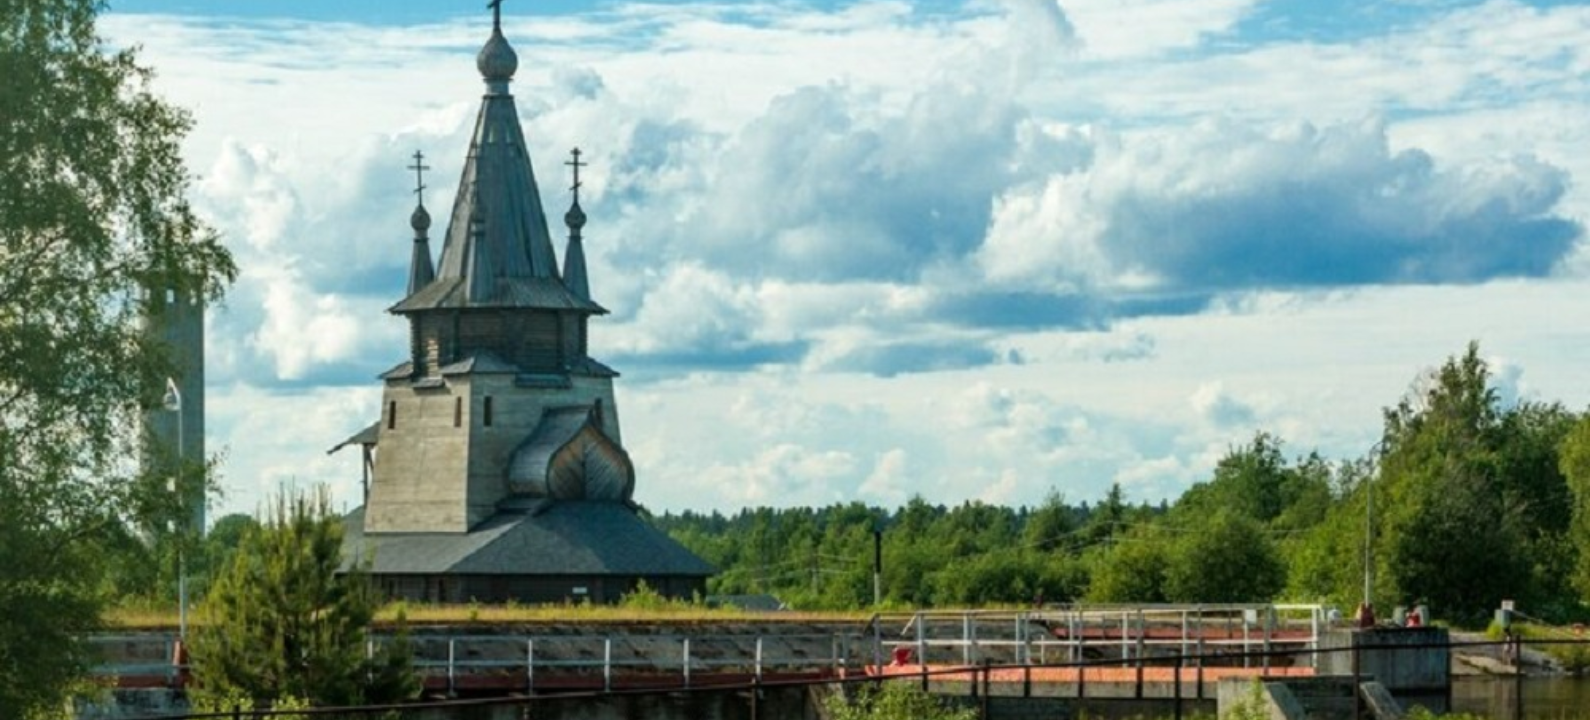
column 175, row 317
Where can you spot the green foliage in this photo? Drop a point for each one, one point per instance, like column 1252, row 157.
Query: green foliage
column 92, row 210
column 893, row 701
column 282, row 623
column 1252, row 706
column 644, row 597
column 1133, row 571
column 1457, row 519
column 1420, row 712
column 1574, row 463
column 1472, row 502
column 1229, row 559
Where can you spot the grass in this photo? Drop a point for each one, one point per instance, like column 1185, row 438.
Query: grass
column 145, row 618
column 1575, row 658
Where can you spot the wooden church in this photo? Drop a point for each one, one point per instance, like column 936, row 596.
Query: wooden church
column 497, row 471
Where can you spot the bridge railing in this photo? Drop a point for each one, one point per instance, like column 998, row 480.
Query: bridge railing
column 1070, row 633
column 1073, row 633
column 456, row 658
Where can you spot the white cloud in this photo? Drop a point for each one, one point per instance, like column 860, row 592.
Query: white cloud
column 1118, row 29
column 874, row 252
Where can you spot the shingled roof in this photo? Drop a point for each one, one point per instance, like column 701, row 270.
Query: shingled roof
column 497, row 251
column 548, row 538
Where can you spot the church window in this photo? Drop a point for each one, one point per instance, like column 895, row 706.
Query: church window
column 458, row 412
column 391, row 415
column 485, row 412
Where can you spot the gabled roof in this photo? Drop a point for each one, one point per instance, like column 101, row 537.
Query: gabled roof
column 555, row 538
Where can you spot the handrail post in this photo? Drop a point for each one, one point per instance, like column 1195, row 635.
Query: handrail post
column 1269, row 623
column 530, row 666
column 759, row 659
column 921, row 639
column 1177, row 681
column 987, row 687
column 1518, row 678
column 966, row 638
column 1184, row 637
column 452, row 655
column 1126, row 640
column 1247, row 649
column 877, row 643
column 607, row 664
column 687, row 662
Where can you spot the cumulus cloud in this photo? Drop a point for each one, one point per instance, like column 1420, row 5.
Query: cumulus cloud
column 1223, row 207
column 1220, row 408
column 969, row 252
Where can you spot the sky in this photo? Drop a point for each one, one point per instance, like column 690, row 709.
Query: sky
column 860, row 251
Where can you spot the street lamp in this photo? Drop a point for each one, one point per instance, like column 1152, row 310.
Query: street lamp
column 1366, row 612
column 173, row 403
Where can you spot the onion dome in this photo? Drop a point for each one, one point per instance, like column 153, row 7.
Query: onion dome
column 575, row 217
column 420, row 221
column 497, row 61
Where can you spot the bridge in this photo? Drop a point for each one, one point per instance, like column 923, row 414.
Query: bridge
column 1105, row 651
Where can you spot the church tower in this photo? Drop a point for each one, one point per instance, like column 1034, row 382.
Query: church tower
column 497, row 342
column 499, row 470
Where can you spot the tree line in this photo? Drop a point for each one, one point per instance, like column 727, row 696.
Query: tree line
column 1470, row 500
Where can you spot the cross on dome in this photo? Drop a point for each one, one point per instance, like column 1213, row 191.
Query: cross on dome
column 496, row 14
column 576, row 164
column 419, row 167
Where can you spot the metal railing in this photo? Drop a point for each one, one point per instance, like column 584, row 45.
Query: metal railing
column 1128, row 634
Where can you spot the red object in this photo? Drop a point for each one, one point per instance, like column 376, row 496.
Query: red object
column 1414, row 620
column 902, row 656
column 179, row 660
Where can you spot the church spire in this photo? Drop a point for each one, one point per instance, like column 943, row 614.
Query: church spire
column 421, row 272
column 497, row 251
column 574, row 274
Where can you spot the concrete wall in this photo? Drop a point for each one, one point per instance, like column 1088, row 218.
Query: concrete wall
column 1408, row 661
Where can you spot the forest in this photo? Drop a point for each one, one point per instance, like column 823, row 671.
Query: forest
column 1473, row 502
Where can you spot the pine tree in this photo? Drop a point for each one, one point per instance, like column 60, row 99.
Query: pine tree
column 284, row 624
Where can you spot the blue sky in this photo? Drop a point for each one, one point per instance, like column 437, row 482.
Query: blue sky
column 875, row 249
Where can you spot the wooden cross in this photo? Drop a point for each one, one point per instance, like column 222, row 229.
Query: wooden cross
column 419, row 167
column 576, row 164
column 496, row 14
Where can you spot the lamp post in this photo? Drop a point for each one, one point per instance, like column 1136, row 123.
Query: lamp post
column 1367, row 611
column 173, row 403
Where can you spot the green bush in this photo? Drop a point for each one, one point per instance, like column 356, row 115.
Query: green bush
column 893, row 701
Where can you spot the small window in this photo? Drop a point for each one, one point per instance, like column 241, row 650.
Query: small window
column 391, row 415
column 171, row 296
column 485, row 412
column 458, row 412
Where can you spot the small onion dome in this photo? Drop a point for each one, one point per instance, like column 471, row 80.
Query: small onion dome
column 575, row 217
column 420, row 220
column 497, row 61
